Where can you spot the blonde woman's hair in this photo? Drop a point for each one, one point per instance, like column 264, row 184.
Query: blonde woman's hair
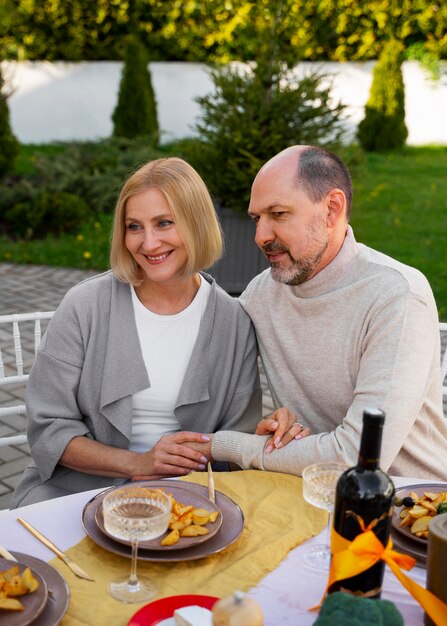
column 192, row 210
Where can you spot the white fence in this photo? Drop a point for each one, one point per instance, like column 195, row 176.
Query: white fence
column 74, row 101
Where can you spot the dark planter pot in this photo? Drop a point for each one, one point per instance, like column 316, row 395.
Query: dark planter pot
column 242, row 260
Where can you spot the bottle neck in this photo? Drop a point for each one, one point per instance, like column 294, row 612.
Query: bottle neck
column 371, row 442
column 367, row 463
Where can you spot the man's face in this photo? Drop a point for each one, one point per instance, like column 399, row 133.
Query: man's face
column 291, row 229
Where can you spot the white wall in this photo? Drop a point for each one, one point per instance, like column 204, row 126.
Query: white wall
column 75, row 101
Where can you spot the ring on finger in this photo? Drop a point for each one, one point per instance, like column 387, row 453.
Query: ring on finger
column 298, row 424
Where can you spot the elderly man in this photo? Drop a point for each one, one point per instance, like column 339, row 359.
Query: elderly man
column 340, row 327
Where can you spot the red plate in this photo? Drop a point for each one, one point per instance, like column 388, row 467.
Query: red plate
column 154, row 612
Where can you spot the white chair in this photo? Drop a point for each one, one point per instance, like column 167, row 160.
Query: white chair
column 443, row 331
column 15, row 361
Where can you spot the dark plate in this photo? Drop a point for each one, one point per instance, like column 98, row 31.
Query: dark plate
column 181, row 494
column 33, row 603
column 401, row 493
column 160, row 610
column 407, row 546
column 58, row 591
column 229, row 532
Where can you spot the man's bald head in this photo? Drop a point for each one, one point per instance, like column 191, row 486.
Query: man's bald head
column 314, row 170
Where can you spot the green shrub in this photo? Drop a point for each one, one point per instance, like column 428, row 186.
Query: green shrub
column 135, row 114
column 46, row 212
column 9, row 144
column 383, row 127
column 253, row 115
column 63, row 184
column 94, row 171
column 64, row 212
column 23, row 219
column 13, row 191
column 16, row 200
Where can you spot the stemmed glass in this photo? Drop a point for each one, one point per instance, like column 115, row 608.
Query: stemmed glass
column 135, row 514
column 319, row 482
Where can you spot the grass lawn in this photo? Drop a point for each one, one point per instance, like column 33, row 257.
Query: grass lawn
column 400, row 208
column 88, row 249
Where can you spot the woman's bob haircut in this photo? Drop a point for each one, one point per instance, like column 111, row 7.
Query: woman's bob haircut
column 192, row 211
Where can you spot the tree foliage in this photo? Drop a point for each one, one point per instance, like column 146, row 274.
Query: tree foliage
column 217, row 30
column 245, row 122
column 383, row 127
column 253, row 114
column 135, row 114
column 8, row 142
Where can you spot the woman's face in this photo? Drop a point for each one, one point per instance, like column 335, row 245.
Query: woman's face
column 152, row 237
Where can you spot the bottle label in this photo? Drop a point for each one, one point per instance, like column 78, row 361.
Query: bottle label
column 372, row 593
column 359, row 524
column 362, row 517
column 359, row 572
column 374, row 574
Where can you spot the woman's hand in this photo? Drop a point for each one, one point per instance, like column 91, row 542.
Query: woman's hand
column 285, row 426
column 172, row 456
column 204, row 447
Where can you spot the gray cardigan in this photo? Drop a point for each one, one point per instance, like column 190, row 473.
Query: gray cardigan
column 90, row 363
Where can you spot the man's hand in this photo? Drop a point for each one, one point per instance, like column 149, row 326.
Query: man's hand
column 285, row 426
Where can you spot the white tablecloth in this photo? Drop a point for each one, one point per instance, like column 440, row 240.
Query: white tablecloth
column 285, row 594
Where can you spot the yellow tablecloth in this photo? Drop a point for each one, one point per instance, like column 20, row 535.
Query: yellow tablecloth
column 277, row 519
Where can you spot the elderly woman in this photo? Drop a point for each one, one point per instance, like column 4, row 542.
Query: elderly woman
column 142, row 359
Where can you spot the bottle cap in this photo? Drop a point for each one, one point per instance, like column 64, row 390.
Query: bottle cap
column 374, row 417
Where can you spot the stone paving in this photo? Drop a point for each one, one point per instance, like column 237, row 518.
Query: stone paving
column 24, row 289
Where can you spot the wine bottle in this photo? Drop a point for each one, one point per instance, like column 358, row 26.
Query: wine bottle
column 365, row 492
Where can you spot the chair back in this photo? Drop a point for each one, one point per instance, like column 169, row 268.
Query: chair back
column 18, row 332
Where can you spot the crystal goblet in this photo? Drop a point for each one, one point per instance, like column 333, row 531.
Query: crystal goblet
column 135, row 514
column 319, row 482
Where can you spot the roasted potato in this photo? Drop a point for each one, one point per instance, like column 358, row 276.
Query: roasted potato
column 194, row 531
column 172, row 538
column 187, row 521
column 419, row 510
column 13, row 584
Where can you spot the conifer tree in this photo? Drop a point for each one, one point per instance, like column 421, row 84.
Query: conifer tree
column 135, row 114
column 383, row 127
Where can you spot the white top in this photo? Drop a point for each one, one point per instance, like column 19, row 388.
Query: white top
column 166, row 342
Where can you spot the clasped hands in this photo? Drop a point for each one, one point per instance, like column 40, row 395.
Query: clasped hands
column 183, row 452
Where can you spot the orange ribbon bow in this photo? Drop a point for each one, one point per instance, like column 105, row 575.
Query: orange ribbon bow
column 350, row 558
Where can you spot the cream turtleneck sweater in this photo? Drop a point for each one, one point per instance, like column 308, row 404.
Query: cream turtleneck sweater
column 361, row 333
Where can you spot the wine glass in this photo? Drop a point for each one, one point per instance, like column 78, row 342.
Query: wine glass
column 135, row 514
column 319, row 482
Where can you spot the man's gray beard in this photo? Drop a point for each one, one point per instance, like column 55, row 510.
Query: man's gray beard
column 302, row 269
column 299, row 272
